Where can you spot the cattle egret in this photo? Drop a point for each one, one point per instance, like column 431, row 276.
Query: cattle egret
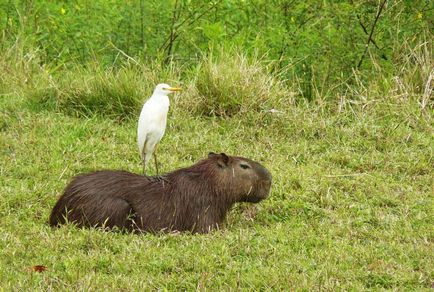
column 152, row 122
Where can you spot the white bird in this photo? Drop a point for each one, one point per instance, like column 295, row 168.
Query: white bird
column 152, row 122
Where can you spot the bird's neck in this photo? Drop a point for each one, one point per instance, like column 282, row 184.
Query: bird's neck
column 161, row 98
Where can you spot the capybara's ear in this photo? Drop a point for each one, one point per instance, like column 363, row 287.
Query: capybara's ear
column 225, row 158
column 222, row 160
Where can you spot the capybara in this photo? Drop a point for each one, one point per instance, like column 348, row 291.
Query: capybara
column 194, row 199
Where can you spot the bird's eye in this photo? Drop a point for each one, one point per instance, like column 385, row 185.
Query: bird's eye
column 244, row 166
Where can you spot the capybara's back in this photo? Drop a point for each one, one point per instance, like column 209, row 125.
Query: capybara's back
column 97, row 200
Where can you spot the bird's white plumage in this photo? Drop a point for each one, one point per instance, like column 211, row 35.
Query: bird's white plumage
column 152, row 121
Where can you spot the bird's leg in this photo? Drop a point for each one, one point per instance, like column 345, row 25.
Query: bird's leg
column 158, row 177
column 144, row 160
column 155, row 159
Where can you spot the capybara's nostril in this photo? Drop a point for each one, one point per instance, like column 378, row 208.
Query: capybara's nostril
column 266, row 174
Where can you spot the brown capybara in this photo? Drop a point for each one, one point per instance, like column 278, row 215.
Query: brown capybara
column 194, row 199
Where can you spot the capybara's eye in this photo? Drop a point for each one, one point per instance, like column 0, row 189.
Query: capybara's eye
column 244, row 166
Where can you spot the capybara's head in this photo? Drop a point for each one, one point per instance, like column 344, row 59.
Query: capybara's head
column 244, row 180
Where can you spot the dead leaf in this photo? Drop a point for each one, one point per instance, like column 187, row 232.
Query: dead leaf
column 39, row 268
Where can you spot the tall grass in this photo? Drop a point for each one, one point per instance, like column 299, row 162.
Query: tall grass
column 220, row 84
column 21, row 68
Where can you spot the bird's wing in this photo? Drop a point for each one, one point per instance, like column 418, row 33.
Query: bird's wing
column 142, row 131
column 145, row 120
column 141, row 140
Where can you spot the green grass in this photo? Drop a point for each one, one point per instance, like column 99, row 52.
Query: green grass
column 351, row 206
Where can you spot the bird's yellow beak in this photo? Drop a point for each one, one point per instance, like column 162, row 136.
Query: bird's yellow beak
column 174, row 89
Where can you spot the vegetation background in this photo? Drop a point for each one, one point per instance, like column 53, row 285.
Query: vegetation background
column 334, row 97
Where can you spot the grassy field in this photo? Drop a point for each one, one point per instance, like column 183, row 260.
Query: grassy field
column 351, row 205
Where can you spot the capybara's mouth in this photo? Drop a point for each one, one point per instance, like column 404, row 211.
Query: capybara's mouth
column 264, row 195
column 252, row 199
column 257, row 197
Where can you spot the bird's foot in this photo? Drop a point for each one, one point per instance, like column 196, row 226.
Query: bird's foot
column 160, row 178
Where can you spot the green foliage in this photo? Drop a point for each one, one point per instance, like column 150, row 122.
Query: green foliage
column 322, row 41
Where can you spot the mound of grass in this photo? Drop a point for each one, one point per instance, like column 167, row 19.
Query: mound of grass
column 86, row 92
column 230, row 84
column 92, row 90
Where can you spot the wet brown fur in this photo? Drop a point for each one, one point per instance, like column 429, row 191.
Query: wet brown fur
column 194, row 199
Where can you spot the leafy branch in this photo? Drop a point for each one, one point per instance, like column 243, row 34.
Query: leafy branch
column 371, row 33
column 190, row 19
